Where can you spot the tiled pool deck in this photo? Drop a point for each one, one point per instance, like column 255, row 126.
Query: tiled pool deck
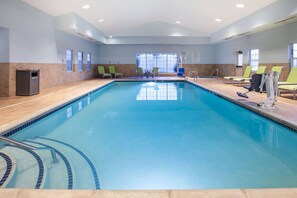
column 17, row 110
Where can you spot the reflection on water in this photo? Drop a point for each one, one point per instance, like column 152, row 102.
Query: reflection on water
column 158, row 91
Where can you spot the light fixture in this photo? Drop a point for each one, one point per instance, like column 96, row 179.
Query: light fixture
column 218, row 20
column 110, row 36
column 239, row 5
column 86, row 6
column 100, row 20
column 178, row 22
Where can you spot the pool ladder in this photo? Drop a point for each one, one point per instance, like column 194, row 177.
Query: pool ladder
column 215, row 71
column 192, row 74
column 30, row 147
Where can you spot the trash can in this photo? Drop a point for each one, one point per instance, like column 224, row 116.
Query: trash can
column 27, row 82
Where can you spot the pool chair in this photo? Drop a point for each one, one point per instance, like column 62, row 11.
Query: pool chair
column 139, row 72
column 181, row 72
column 291, row 88
column 292, row 78
column 155, row 72
column 101, row 72
column 261, row 70
column 246, row 74
column 277, row 69
column 113, row 72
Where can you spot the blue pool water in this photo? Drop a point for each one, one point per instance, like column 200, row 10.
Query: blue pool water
column 172, row 135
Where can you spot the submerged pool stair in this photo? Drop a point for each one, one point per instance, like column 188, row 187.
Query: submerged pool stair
column 21, row 167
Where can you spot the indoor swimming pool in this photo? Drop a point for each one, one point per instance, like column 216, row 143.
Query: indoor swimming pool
column 153, row 135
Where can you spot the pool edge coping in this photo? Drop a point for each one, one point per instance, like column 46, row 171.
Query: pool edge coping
column 6, row 131
column 238, row 193
column 291, row 126
column 263, row 192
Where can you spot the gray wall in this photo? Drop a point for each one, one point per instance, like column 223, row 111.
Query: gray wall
column 33, row 38
column 125, row 54
column 4, row 45
column 273, row 45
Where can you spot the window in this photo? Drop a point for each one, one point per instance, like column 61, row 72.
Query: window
column 239, row 59
column 153, row 91
column 69, row 58
column 88, row 61
column 254, row 59
column 166, row 62
column 80, row 61
column 293, row 55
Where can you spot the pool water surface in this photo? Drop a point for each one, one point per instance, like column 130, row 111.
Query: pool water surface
column 173, row 135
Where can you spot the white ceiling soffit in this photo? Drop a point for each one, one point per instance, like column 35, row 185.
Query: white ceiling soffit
column 73, row 24
column 141, row 21
column 159, row 40
column 276, row 14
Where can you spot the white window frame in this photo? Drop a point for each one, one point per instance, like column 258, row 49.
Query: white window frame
column 239, row 59
column 254, row 59
column 80, row 62
column 69, row 62
column 89, row 59
column 151, row 60
column 293, row 54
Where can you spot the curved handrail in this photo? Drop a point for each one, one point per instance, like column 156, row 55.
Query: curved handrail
column 215, row 71
column 28, row 146
column 193, row 74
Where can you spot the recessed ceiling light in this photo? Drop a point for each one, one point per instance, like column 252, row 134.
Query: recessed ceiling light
column 218, row 20
column 86, row 6
column 178, row 22
column 239, row 5
column 100, row 20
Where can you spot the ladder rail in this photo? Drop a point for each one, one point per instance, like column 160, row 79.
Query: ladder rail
column 192, row 73
column 28, row 146
column 215, row 71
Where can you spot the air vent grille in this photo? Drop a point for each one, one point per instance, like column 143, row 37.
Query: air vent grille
column 80, row 34
column 284, row 20
column 245, row 33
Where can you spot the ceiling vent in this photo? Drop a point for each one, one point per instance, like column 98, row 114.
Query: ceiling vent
column 284, row 20
column 91, row 39
column 80, row 34
column 245, row 33
column 228, row 38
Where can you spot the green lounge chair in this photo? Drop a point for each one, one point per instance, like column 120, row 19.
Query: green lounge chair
column 246, row 74
column 277, row 69
column 292, row 78
column 113, row 72
column 155, row 72
column 101, row 72
column 139, row 72
column 292, row 88
column 261, row 70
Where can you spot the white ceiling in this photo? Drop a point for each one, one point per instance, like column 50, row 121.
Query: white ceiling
column 154, row 17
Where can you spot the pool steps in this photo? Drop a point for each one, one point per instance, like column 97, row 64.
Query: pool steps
column 18, row 165
column 30, row 170
column 7, row 164
column 60, row 177
column 88, row 178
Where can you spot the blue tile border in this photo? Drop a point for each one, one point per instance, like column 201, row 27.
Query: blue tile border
column 40, row 165
column 8, row 168
column 40, row 117
column 294, row 130
column 67, row 163
column 17, row 129
column 94, row 172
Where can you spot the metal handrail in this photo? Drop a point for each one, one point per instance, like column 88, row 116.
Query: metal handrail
column 217, row 71
column 192, row 73
column 28, row 146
